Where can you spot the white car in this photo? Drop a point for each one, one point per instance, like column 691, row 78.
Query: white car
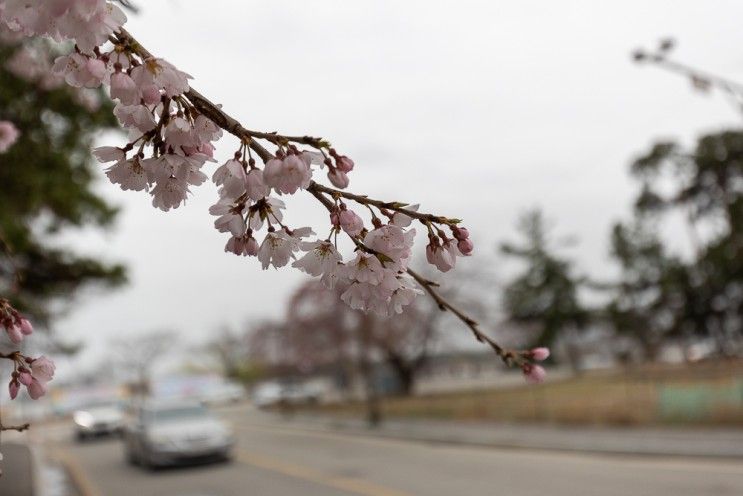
column 274, row 393
column 98, row 419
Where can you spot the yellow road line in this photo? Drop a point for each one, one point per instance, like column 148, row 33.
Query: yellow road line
column 77, row 474
column 348, row 484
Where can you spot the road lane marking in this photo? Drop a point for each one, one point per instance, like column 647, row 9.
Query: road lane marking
column 77, row 474
column 348, row 484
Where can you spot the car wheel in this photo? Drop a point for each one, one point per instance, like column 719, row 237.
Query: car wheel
column 81, row 436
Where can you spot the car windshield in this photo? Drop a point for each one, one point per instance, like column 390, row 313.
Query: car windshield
column 176, row 413
column 99, row 405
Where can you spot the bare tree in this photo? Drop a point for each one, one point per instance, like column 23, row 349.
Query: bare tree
column 137, row 354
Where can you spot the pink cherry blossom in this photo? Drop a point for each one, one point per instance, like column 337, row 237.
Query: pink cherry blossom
column 321, row 259
column 279, row 246
column 403, row 220
column 43, row 369
column 365, row 268
column 8, row 135
column 124, row 89
column 232, row 178
column 288, row 175
column 129, row 174
column 392, row 241
column 80, row 71
column 256, row 188
column 161, row 74
column 106, row 154
column 138, row 117
column 244, row 245
column 169, row 193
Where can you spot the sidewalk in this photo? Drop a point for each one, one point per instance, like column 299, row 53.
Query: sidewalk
column 692, row 442
column 17, row 478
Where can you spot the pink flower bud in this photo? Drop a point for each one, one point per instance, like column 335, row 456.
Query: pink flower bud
column 335, row 219
column 533, row 373
column 338, row 178
column 539, row 354
column 26, row 327
column 344, row 164
column 460, row 233
column 351, row 223
column 25, row 378
column 14, row 333
column 13, row 388
column 36, row 390
column 465, row 246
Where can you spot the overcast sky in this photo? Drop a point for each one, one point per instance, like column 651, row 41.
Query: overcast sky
column 477, row 110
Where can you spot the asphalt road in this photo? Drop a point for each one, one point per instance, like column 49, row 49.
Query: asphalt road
column 275, row 457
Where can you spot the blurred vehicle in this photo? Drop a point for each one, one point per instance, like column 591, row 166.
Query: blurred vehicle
column 172, row 432
column 222, row 394
column 98, row 419
column 274, row 393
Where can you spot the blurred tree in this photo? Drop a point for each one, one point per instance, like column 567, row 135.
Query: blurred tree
column 650, row 292
column 328, row 331
column 543, row 297
column 48, row 181
column 136, row 356
column 705, row 184
column 232, row 352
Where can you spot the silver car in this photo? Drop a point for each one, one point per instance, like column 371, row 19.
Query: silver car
column 168, row 433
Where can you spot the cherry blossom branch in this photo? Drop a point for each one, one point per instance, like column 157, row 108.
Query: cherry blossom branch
column 701, row 80
column 219, row 116
column 179, row 126
column 508, row 356
column 382, row 205
column 18, row 428
column 231, row 125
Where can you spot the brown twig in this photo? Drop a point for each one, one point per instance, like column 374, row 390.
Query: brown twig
column 396, row 206
column 18, row 428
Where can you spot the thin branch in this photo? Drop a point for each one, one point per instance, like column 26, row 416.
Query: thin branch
column 18, row 428
column 396, row 206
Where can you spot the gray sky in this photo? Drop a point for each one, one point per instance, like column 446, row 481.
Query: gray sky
column 477, row 110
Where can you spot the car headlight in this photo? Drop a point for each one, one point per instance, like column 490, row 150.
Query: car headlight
column 83, row 419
